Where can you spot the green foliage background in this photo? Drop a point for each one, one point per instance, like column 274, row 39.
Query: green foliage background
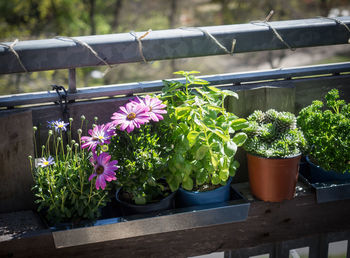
column 36, row 19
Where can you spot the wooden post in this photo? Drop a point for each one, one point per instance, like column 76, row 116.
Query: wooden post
column 16, row 130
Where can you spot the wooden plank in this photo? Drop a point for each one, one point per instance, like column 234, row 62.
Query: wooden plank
column 103, row 109
column 267, row 223
column 279, row 95
column 16, row 144
column 311, row 89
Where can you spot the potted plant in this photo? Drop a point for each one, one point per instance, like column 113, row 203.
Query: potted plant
column 326, row 127
column 70, row 182
column 274, row 147
column 142, row 159
column 204, row 137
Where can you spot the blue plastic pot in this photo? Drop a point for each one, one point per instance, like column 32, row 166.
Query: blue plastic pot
column 319, row 175
column 190, row 198
column 129, row 209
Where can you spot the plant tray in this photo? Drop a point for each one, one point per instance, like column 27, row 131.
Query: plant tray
column 234, row 210
column 328, row 191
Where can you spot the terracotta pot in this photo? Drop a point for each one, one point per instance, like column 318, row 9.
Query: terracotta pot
column 273, row 179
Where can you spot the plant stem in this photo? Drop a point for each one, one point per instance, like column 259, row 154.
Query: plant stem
column 62, row 144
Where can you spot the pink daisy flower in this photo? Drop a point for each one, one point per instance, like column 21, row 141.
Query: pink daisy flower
column 130, row 116
column 103, row 169
column 100, row 135
column 156, row 108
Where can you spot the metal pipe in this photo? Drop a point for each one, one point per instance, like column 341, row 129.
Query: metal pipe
column 152, row 86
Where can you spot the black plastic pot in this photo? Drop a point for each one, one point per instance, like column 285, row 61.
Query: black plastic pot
column 129, row 209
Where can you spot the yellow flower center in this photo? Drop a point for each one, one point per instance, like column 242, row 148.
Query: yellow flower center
column 60, row 126
column 100, row 137
column 46, row 163
column 99, row 170
column 131, row 116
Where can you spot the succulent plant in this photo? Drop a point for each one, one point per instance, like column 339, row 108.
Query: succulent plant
column 273, row 134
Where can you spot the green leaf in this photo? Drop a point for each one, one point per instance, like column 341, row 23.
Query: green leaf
column 192, row 137
column 187, row 183
column 140, row 200
column 215, row 108
column 230, row 148
column 178, row 161
column 233, row 167
column 214, row 89
column 239, row 124
column 215, row 145
column 240, row 138
column 215, row 179
column 230, row 93
column 181, row 112
column 187, row 168
column 185, row 72
column 214, row 161
column 221, row 135
column 224, row 174
column 201, row 152
column 173, row 183
column 201, row 177
column 201, row 81
column 184, row 127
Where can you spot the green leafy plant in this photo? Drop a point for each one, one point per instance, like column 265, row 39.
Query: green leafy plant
column 142, row 162
column 203, row 135
column 63, row 184
column 273, row 134
column 327, row 130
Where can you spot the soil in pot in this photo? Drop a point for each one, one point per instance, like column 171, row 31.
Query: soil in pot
column 273, row 179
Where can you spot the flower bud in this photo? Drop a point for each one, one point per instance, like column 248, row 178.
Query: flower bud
column 73, row 141
column 82, row 117
column 80, row 131
column 71, row 119
column 93, row 125
column 95, row 119
column 50, row 132
column 30, row 157
column 43, row 147
column 76, row 145
column 104, row 148
column 35, row 128
column 59, row 139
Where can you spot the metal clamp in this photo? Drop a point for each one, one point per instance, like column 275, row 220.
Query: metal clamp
column 63, row 96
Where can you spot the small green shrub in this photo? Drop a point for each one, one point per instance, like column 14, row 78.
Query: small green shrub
column 327, row 130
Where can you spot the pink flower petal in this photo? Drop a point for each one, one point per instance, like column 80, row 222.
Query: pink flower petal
column 92, row 176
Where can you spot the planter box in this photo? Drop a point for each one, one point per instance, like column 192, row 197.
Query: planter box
column 325, row 191
column 114, row 228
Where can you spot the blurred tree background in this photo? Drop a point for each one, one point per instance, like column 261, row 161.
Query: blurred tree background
column 36, row 19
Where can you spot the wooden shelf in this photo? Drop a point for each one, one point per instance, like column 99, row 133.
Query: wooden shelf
column 266, row 223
